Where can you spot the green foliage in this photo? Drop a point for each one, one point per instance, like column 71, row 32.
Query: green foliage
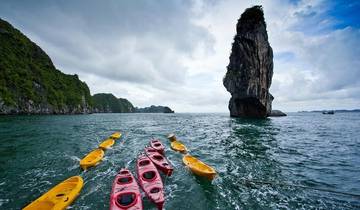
column 106, row 102
column 154, row 109
column 27, row 73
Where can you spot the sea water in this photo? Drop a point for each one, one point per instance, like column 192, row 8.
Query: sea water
column 278, row 154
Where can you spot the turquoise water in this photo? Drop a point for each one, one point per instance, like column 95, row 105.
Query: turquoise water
column 310, row 149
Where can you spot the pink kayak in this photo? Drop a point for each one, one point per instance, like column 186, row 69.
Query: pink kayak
column 156, row 144
column 150, row 180
column 159, row 161
column 125, row 193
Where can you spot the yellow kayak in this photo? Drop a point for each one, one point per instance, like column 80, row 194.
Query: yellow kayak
column 58, row 197
column 178, row 146
column 92, row 159
column 107, row 144
column 171, row 137
column 115, row 135
column 198, row 167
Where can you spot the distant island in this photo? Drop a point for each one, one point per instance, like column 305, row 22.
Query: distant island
column 154, row 109
column 108, row 103
column 31, row 84
column 335, row 110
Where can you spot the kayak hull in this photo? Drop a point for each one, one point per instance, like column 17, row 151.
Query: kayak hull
column 125, row 193
column 156, row 144
column 60, row 196
column 150, row 180
column 107, row 144
column 178, row 146
column 199, row 168
column 159, row 161
column 92, row 159
column 115, row 135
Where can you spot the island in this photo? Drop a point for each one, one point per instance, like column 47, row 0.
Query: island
column 108, row 103
column 31, row 84
column 154, row 109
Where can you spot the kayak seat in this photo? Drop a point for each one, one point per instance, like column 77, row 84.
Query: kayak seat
column 124, row 172
column 157, row 145
column 126, row 200
column 149, row 175
column 155, row 190
column 124, row 180
column 144, row 162
column 158, row 157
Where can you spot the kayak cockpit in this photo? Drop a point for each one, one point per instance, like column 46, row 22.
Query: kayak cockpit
column 149, row 176
column 126, row 200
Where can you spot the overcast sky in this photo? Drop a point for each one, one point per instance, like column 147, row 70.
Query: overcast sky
column 175, row 53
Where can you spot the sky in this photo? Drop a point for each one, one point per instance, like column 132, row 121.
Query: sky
column 175, row 53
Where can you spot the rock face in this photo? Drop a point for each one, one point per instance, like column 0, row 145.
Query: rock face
column 249, row 73
column 277, row 113
column 30, row 83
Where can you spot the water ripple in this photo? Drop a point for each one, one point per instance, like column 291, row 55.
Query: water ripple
column 302, row 149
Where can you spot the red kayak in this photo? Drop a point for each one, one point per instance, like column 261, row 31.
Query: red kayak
column 150, row 180
column 125, row 193
column 159, row 161
column 156, row 144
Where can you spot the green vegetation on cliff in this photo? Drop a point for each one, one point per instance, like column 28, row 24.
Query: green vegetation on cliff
column 154, row 109
column 107, row 102
column 30, row 83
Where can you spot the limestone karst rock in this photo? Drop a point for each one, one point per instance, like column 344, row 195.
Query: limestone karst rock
column 249, row 73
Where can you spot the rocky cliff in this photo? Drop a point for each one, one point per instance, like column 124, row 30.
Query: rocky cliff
column 30, row 83
column 249, row 73
column 108, row 103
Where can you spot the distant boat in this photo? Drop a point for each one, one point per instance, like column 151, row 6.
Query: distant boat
column 328, row 112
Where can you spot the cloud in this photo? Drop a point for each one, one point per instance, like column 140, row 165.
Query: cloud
column 175, row 53
column 134, row 41
column 323, row 65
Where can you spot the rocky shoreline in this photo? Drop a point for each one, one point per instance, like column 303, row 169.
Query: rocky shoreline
column 30, row 108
